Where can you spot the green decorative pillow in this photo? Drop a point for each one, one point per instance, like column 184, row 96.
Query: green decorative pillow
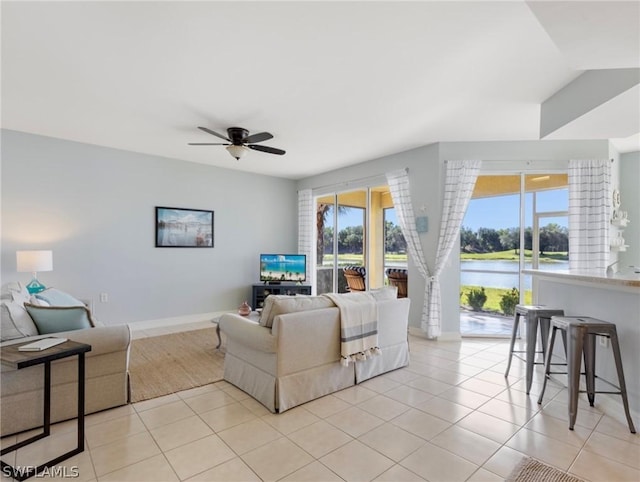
column 54, row 319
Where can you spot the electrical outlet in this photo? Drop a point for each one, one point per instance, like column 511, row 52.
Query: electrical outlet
column 604, row 341
column 104, row 297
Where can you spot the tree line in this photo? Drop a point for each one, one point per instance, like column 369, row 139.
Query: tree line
column 553, row 238
column 351, row 239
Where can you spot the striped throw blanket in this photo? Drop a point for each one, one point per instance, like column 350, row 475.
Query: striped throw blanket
column 358, row 326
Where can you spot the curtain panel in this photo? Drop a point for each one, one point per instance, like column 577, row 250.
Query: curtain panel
column 589, row 214
column 400, row 193
column 306, row 225
column 460, row 179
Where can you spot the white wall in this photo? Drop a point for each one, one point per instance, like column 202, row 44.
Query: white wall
column 95, row 208
column 426, row 174
column 619, row 306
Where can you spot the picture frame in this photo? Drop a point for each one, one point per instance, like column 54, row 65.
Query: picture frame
column 184, row 228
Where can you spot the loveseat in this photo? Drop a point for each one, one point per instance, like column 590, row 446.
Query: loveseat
column 291, row 353
column 106, row 369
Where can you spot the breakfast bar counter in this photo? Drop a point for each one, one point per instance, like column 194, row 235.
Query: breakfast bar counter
column 615, row 299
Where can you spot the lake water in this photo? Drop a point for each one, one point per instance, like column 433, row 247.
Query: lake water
column 499, row 280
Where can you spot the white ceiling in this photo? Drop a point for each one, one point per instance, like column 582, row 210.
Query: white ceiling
column 336, row 83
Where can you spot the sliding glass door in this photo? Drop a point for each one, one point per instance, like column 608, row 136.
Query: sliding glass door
column 341, row 237
column 507, row 212
column 353, row 229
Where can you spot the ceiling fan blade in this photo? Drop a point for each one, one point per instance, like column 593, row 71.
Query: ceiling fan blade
column 208, row 144
column 259, row 137
column 213, row 133
column 270, row 150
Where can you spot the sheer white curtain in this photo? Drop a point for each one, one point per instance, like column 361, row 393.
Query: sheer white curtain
column 589, row 214
column 460, row 179
column 400, row 193
column 306, row 218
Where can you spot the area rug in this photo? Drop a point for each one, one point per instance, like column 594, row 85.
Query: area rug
column 165, row 364
column 531, row 470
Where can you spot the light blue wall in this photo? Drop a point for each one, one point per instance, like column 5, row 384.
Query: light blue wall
column 426, row 174
column 95, row 207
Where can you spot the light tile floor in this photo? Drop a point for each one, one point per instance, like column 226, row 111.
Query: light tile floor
column 450, row 416
column 474, row 323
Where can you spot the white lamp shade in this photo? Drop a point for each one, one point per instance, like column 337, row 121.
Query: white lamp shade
column 237, row 151
column 34, row 261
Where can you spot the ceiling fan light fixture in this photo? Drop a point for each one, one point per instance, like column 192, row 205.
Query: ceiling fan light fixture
column 237, row 151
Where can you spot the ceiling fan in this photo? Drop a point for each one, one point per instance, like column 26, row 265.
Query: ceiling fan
column 239, row 141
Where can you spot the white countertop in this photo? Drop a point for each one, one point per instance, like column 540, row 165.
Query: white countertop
column 618, row 279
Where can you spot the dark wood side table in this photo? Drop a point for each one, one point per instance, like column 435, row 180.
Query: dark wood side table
column 10, row 355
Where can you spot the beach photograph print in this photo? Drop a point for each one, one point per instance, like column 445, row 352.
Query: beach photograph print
column 184, row 228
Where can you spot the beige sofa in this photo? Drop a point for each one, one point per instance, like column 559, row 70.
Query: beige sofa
column 106, row 382
column 106, row 365
column 298, row 358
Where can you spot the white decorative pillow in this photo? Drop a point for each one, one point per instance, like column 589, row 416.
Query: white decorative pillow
column 385, row 293
column 16, row 322
column 20, row 297
column 15, row 286
column 8, row 329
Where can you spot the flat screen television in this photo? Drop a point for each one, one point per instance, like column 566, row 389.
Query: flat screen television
column 277, row 268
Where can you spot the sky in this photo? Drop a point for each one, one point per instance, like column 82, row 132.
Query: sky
column 494, row 212
column 504, row 211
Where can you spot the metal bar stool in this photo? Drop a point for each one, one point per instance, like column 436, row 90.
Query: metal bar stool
column 582, row 332
column 534, row 316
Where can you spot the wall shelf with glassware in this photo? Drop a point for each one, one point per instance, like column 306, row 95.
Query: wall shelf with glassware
column 622, row 247
column 620, row 220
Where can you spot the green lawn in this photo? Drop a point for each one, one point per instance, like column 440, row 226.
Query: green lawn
column 512, row 255
column 494, row 295
column 346, row 259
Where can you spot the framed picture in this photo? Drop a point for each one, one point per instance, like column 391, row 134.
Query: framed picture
column 183, row 228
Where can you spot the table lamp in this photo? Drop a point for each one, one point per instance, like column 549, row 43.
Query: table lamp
column 32, row 262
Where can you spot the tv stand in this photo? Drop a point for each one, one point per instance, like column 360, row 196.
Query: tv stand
column 260, row 291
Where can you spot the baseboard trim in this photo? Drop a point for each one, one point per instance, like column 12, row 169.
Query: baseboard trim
column 176, row 320
column 446, row 336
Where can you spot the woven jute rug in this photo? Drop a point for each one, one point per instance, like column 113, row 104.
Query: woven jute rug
column 531, row 470
column 165, row 364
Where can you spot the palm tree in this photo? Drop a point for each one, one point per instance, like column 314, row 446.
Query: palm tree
column 321, row 218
